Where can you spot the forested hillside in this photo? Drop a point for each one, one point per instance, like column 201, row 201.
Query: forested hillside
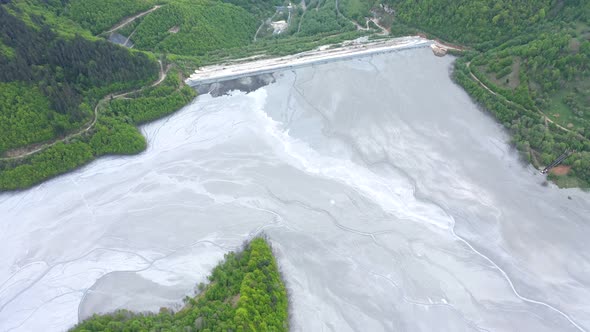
column 50, row 82
column 195, row 27
column 245, row 293
column 98, row 16
column 536, row 56
column 57, row 70
column 261, row 9
column 472, row 21
column 55, row 66
column 55, row 82
column 115, row 132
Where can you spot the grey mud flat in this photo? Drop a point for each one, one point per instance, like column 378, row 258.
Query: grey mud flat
column 392, row 202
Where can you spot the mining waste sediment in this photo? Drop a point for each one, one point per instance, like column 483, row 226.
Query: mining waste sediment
column 391, row 201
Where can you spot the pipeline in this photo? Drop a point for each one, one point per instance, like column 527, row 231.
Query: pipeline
column 557, row 161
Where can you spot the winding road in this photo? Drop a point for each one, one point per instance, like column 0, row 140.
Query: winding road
column 34, row 148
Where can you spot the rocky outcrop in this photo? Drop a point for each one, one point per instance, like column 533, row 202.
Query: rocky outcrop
column 439, row 50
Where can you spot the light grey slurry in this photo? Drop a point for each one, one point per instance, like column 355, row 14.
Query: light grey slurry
column 391, row 201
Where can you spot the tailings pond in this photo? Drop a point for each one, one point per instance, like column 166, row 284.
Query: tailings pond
column 392, row 203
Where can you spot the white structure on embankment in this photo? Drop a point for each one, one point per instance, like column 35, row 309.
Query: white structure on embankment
column 224, row 72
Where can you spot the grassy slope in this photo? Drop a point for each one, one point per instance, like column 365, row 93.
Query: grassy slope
column 245, row 293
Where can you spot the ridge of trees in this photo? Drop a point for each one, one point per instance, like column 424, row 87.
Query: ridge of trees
column 245, row 293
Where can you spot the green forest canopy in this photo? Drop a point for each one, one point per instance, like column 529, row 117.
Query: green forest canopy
column 245, row 293
column 99, row 16
column 195, row 27
column 53, row 83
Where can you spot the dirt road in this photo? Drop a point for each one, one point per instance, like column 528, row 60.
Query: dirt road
column 34, row 148
column 545, row 117
column 384, row 32
column 226, row 71
column 130, row 19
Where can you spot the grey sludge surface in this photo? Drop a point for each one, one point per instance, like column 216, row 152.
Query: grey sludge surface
column 391, row 201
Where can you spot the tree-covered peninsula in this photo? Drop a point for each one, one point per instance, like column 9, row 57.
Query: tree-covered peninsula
column 245, row 293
